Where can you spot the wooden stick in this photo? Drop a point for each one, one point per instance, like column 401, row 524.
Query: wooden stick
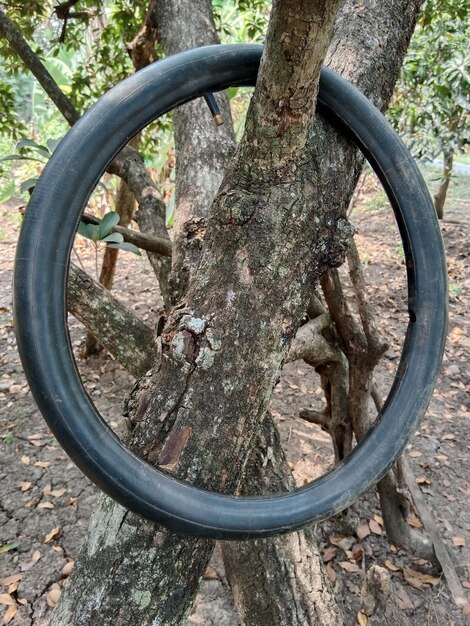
column 443, row 556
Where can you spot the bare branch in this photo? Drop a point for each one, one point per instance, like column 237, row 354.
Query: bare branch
column 16, row 40
column 310, row 345
column 157, row 245
column 376, row 346
column 128, row 165
column 126, row 337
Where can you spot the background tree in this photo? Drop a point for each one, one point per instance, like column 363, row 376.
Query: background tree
column 168, row 577
column 431, row 107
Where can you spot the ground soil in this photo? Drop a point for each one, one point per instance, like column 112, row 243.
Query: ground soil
column 45, row 502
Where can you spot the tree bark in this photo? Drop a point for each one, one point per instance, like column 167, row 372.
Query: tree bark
column 127, row 338
column 205, row 338
column 280, row 580
column 202, row 149
column 125, row 204
column 285, row 154
column 363, row 347
column 441, row 194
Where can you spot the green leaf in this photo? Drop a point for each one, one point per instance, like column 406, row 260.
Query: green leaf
column 26, row 143
column 108, row 222
column 83, row 229
column 52, row 144
column 114, row 238
column 26, row 185
column 12, row 545
column 94, row 232
column 8, row 191
column 129, row 247
column 19, row 157
column 462, row 101
column 90, row 231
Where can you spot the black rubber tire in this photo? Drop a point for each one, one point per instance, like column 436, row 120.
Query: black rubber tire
column 42, row 260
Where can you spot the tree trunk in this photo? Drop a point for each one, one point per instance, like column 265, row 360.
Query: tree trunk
column 280, row 580
column 204, row 342
column 440, row 196
column 125, row 205
column 194, row 361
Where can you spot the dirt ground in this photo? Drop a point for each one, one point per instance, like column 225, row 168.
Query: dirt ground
column 45, row 502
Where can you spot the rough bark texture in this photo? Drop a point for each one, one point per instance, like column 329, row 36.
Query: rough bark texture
column 125, row 204
column 441, row 194
column 202, row 149
column 128, row 339
column 202, row 152
column 378, row 602
column 132, row 342
column 363, row 346
column 278, row 580
column 190, row 340
column 212, row 334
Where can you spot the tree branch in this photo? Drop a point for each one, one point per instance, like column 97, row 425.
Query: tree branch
column 16, row 40
column 126, row 337
column 128, row 164
column 157, row 245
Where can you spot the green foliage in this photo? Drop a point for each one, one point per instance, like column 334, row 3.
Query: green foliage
column 26, row 151
column 86, row 55
column 9, row 123
column 241, row 21
column 103, row 232
column 8, row 438
column 431, row 108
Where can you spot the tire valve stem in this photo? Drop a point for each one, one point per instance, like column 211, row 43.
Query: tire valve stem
column 214, row 109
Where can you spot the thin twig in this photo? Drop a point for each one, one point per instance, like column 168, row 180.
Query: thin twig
column 158, row 245
column 443, row 556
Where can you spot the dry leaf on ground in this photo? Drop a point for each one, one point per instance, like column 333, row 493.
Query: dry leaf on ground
column 361, row 619
column 330, row 572
column 375, row 527
column 54, row 532
column 42, row 464
column 344, row 543
column 4, row 582
column 67, row 569
column 53, row 596
column 350, row 567
column 363, row 531
column 10, row 614
column 419, row 580
column 459, row 541
column 414, row 521
column 329, row 554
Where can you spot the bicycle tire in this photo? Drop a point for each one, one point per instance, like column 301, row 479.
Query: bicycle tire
column 42, row 260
